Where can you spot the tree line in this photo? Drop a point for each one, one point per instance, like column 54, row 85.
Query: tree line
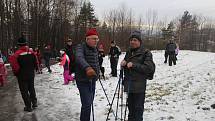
column 54, row 21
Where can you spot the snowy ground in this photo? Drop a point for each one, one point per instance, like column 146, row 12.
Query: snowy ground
column 179, row 93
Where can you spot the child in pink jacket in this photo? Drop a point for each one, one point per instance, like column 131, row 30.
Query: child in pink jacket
column 3, row 72
column 65, row 63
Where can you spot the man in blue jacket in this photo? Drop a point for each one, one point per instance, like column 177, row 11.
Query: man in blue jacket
column 87, row 71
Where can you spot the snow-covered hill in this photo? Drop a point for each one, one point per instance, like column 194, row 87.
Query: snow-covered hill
column 179, row 93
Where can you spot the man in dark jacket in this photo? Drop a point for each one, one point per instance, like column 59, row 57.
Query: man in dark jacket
column 170, row 49
column 47, row 55
column 114, row 53
column 70, row 52
column 24, row 63
column 137, row 64
column 87, row 71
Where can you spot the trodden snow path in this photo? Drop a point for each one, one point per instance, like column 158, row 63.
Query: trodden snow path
column 179, row 93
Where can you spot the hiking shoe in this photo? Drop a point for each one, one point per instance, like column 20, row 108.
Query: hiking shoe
column 27, row 109
column 34, row 106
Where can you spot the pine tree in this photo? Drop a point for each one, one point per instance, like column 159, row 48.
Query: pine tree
column 86, row 18
column 93, row 21
column 169, row 31
column 188, row 31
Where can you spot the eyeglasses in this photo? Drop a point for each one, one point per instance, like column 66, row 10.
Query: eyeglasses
column 97, row 39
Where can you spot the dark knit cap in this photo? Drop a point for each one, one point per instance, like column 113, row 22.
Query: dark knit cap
column 21, row 41
column 112, row 42
column 136, row 34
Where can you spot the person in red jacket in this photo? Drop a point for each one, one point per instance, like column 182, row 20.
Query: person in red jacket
column 3, row 72
column 24, row 63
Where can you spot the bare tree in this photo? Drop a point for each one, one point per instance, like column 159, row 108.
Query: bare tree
column 140, row 22
column 151, row 19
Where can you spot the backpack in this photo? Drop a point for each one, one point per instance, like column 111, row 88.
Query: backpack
column 150, row 75
column 171, row 47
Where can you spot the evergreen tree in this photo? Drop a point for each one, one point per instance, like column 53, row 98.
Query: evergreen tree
column 188, row 31
column 169, row 31
column 87, row 19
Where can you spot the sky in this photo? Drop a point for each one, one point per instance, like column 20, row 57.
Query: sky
column 168, row 9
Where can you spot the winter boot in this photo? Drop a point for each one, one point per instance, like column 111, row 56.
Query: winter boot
column 28, row 109
column 213, row 106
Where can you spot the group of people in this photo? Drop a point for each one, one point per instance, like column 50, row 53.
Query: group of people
column 24, row 62
column 137, row 64
column 85, row 60
column 171, row 52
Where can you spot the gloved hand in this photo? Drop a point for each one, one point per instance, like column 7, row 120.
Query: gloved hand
column 58, row 59
column 90, row 72
column 108, row 57
column 123, row 63
column 130, row 65
column 115, row 56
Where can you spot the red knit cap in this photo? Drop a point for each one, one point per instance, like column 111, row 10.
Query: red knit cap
column 91, row 31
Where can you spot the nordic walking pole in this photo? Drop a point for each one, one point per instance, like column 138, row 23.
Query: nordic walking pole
column 129, row 82
column 112, row 100
column 122, row 103
column 121, row 73
column 92, row 99
column 106, row 96
column 118, row 96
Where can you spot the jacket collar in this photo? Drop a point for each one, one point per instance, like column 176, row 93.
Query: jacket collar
column 138, row 50
column 91, row 48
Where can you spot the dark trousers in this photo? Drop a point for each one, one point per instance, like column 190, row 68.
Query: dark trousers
column 27, row 90
column 1, row 80
column 87, row 92
column 102, row 69
column 113, row 63
column 172, row 58
column 47, row 64
column 166, row 56
column 136, row 106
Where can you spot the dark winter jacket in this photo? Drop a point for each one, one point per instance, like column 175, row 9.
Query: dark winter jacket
column 101, row 56
column 70, row 51
column 135, row 77
column 27, row 63
column 86, row 56
column 114, row 52
column 170, row 47
column 47, row 54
